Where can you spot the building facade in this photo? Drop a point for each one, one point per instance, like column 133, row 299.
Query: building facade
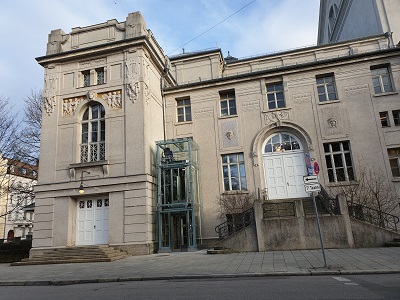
column 341, row 20
column 17, row 199
column 155, row 141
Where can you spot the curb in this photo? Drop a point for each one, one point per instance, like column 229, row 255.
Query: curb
column 188, row 277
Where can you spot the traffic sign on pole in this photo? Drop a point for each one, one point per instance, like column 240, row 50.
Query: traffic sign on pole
column 310, row 179
column 316, row 168
column 312, row 187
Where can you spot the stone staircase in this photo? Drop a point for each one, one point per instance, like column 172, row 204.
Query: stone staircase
column 79, row 254
column 394, row 243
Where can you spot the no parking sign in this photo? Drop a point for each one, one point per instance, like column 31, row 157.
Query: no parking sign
column 316, row 168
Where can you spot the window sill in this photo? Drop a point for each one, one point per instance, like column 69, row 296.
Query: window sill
column 328, row 102
column 102, row 163
column 238, row 192
column 396, row 179
column 276, row 109
column 184, row 123
column 342, row 183
column 227, row 117
column 385, row 94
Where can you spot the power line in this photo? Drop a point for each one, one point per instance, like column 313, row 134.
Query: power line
column 213, row 27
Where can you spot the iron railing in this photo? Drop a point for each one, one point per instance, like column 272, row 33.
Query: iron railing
column 280, row 209
column 373, row 216
column 234, row 223
column 331, row 204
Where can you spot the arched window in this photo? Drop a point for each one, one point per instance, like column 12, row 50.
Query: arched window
column 281, row 142
column 93, row 133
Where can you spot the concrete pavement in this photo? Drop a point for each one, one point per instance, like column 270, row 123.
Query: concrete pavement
column 189, row 265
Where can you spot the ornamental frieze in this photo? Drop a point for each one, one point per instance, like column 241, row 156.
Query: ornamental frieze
column 251, row 106
column 276, row 116
column 356, row 90
column 113, row 99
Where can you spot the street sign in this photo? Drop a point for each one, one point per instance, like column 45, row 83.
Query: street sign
column 316, row 168
column 312, row 187
column 308, row 163
column 310, row 179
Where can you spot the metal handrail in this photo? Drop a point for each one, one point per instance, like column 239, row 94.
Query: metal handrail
column 238, row 222
column 331, row 204
column 373, row 216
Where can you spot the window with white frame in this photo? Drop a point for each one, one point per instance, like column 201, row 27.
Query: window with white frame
column 384, row 117
column 326, row 87
column 184, row 110
column 93, row 133
column 275, row 95
column 234, row 172
column 394, row 160
column 338, row 161
column 228, row 103
column 381, row 79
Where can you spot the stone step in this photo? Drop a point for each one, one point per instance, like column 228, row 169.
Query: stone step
column 81, row 254
column 219, row 250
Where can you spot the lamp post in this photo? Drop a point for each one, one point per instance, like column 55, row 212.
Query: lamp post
column 81, row 190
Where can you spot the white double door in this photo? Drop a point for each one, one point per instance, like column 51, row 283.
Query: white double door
column 284, row 175
column 92, row 222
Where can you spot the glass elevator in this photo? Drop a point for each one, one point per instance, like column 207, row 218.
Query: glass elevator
column 178, row 201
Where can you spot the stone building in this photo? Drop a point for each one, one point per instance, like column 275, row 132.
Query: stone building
column 138, row 148
column 341, row 20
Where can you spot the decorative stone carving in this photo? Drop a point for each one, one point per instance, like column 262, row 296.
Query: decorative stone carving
column 91, row 95
column 204, row 113
column 49, row 97
column 69, row 106
column 301, row 98
column 251, row 105
column 276, row 116
column 229, row 132
column 356, row 90
column 132, row 74
column 332, row 122
column 113, row 99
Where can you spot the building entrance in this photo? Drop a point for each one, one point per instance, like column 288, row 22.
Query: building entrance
column 92, row 222
column 284, row 167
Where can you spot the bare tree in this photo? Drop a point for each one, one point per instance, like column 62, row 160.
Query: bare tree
column 235, row 204
column 8, row 128
column 29, row 145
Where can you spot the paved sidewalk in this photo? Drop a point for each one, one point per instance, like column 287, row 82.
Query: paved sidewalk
column 201, row 265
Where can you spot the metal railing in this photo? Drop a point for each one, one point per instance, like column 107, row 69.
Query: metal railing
column 280, row 209
column 235, row 223
column 331, row 204
column 373, row 216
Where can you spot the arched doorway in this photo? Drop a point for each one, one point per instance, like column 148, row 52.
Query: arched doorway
column 284, row 166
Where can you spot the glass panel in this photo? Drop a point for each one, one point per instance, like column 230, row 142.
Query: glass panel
column 268, row 148
column 350, row 173
column 345, row 146
column 328, row 161
column 226, row 184
column 337, row 158
column 335, row 147
column 95, row 112
column 347, row 157
column 89, row 204
column 234, row 171
column 94, row 131
column 86, row 114
column 330, row 175
column 340, row 176
column 99, row 203
column 235, row 184
column 232, row 158
column 322, row 97
column 102, row 111
column 224, row 159
column 84, row 133
column 326, row 148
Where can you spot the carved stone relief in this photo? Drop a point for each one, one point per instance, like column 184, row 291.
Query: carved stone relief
column 230, row 136
column 251, row 105
column 204, row 113
column 49, row 96
column 335, row 121
column 132, row 74
column 356, row 90
column 301, row 98
column 277, row 116
column 113, row 99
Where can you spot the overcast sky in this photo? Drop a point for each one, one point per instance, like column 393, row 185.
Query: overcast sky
column 261, row 26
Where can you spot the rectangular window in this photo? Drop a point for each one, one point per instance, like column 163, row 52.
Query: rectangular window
column 381, row 79
column 326, row 88
column 338, row 161
column 396, row 117
column 234, row 172
column 100, row 75
column 184, row 110
column 228, row 103
column 86, row 78
column 275, row 95
column 383, row 115
column 394, row 160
